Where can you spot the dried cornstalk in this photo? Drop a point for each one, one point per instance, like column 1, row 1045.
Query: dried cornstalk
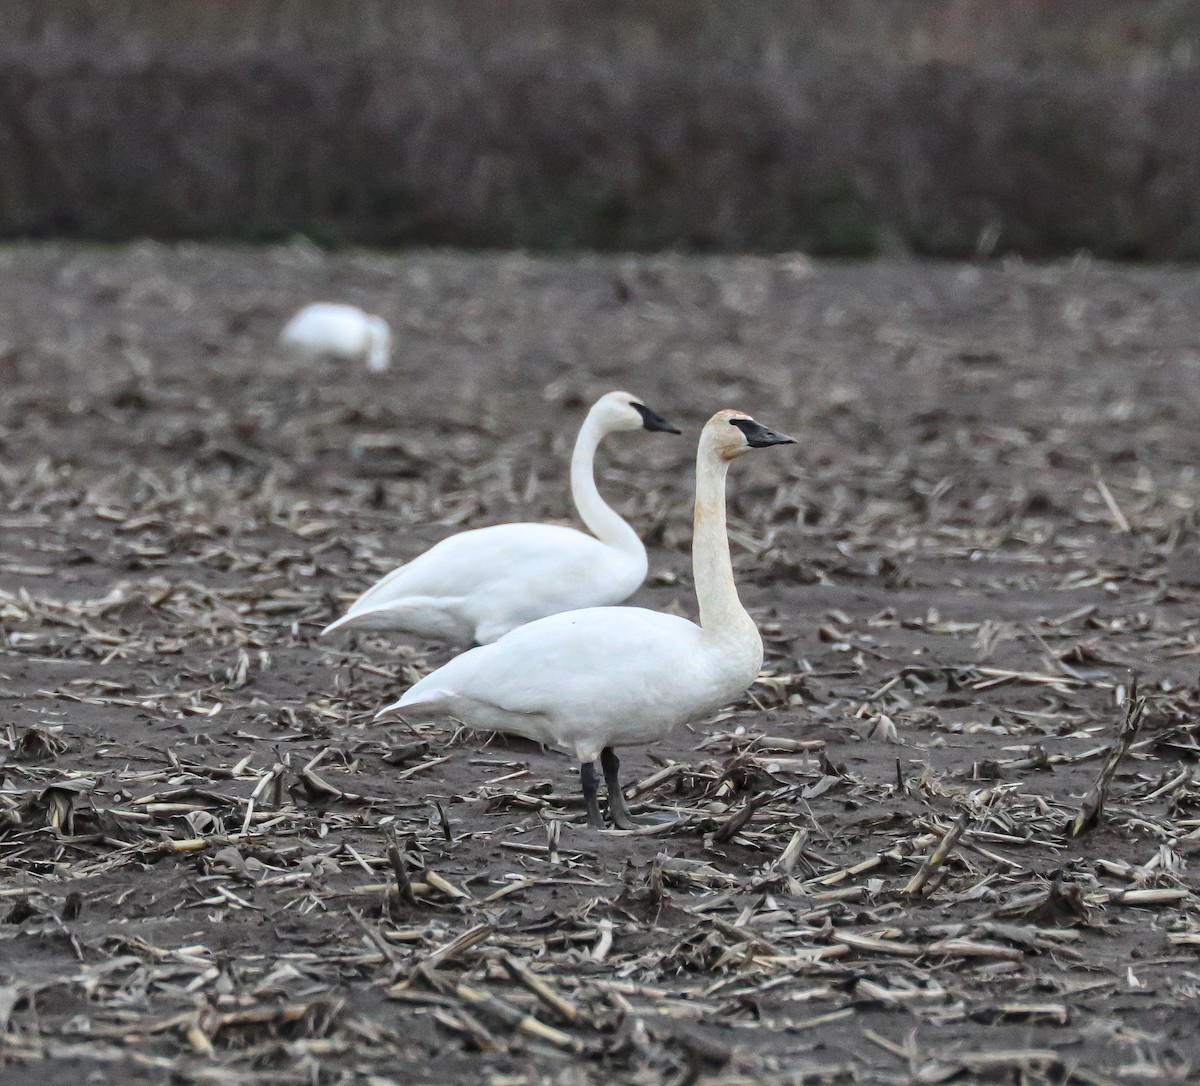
column 939, row 855
column 1092, row 806
column 516, row 1018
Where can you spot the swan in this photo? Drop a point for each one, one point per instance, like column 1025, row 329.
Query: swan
column 328, row 329
column 587, row 681
column 479, row 585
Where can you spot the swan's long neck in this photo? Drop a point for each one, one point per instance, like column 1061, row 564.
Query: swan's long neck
column 721, row 611
column 602, row 520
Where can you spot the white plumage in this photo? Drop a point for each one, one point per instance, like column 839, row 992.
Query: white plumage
column 332, row 330
column 478, row 585
column 586, row 681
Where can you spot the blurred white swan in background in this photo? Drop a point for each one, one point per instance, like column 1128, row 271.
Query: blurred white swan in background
column 586, row 681
column 332, row 330
column 478, row 585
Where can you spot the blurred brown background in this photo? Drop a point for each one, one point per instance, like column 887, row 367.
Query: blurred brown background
column 947, row 127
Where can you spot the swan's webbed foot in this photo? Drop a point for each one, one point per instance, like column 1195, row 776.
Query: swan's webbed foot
column 623, row 818
column 587, row 781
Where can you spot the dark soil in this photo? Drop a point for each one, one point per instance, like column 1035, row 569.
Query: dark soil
column 988, row 527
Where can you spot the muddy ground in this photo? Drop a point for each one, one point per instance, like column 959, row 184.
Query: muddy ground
column 987, row 528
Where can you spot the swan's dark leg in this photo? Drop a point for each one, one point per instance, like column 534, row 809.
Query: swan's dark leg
column 622, row 817
column 587, row 780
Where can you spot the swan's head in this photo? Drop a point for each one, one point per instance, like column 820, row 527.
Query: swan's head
column 729, row 434
column 621, row 411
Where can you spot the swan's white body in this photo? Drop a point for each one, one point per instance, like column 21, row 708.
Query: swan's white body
column 584, row 680
column 479, row 585
column 603, row 677
column 331, row 330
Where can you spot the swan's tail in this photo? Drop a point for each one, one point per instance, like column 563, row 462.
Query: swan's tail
column 336, row 624
column 413, row 699
column 370, row 618
column 388, row 710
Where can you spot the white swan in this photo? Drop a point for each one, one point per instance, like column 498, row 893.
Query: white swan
column 586, row 681
column 478, row 585
column 328, row 329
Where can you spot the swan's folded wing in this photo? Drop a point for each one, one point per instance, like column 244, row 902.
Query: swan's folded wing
column 572, row 659
column 470, row 562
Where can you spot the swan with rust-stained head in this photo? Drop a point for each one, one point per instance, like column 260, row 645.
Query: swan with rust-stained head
column 478, row 585
column 333, row 330
column 587, row 681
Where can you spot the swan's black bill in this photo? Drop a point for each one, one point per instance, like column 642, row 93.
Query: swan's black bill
column 655, row 422
column 758, row 436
